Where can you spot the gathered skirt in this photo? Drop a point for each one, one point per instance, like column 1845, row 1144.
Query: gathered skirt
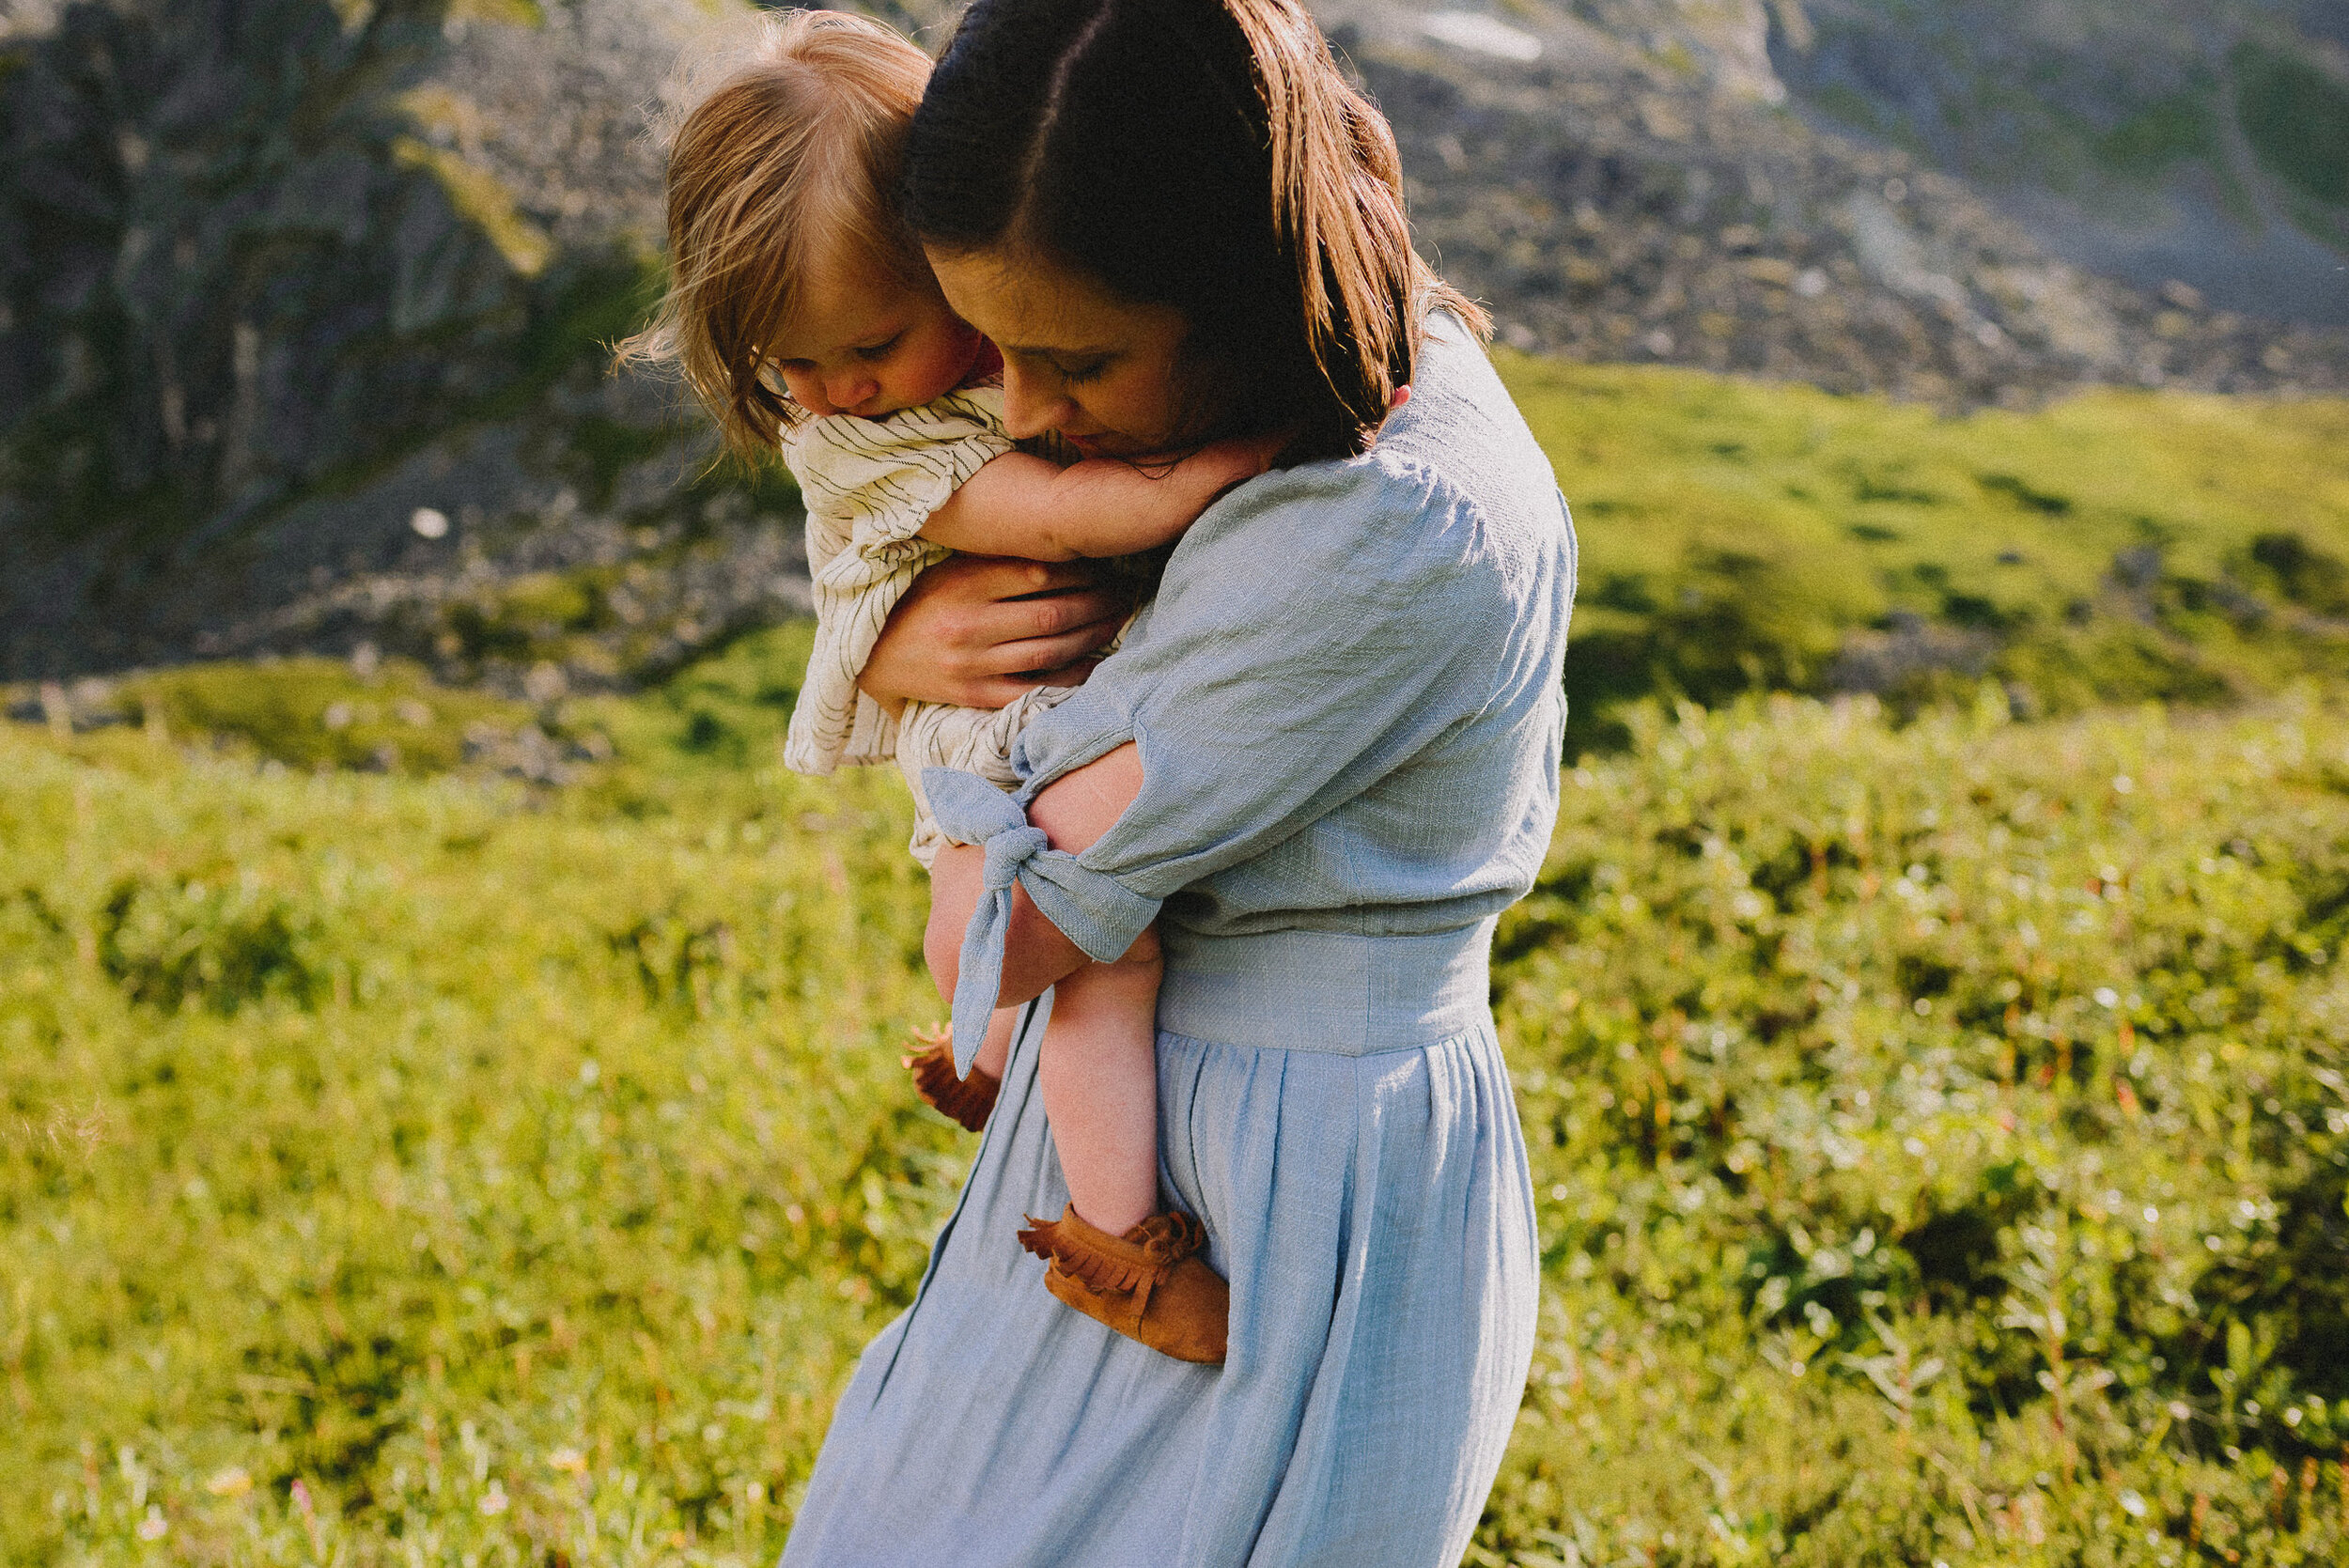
column 1346, row 1131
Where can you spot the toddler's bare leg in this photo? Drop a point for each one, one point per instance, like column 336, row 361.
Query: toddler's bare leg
column 1100, row 1069
column 996, row 1049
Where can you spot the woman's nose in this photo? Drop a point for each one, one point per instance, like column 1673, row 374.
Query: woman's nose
column 1028, row 409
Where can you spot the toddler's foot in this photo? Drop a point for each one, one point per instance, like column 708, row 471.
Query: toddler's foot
column 966, row 1100
column 1149, row 1284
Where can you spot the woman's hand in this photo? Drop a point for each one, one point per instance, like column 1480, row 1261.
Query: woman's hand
column 977, row 630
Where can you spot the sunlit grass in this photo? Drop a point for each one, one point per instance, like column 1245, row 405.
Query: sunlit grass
column 423, row 1169
column 501, row 1169
column 1944, row 1138
column 2114, row 547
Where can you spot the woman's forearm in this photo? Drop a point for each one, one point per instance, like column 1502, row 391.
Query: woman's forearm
column 1036, row 956
column 1073, row 811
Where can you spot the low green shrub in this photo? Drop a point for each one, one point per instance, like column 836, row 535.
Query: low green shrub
column 318, row 712
column 2296, row 118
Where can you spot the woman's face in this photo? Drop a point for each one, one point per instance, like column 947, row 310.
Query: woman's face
column 1104, row 373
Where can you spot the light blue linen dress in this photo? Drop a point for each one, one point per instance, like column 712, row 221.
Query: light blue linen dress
column 1347, row 703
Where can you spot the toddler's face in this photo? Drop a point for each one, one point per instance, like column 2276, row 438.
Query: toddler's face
column 864, row 343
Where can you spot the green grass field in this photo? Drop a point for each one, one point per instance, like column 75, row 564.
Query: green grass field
column 2115, row 548
column 1941, row 1122
column 1940, row 1135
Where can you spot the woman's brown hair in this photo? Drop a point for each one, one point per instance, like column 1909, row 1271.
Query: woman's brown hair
column 1207, row 155
column 789, row 163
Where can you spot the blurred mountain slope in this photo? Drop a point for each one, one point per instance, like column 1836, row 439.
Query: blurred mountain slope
column 2206, row 140
column 1632, row 181
column 304, row 296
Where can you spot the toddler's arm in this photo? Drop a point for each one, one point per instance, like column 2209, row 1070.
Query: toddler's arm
column 1037, row 510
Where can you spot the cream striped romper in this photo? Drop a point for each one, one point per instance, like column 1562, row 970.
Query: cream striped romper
column 869, row 485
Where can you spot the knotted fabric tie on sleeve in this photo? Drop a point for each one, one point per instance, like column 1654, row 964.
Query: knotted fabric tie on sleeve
column 1094, row 910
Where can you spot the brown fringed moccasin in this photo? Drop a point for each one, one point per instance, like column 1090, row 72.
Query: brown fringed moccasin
column 966, row 1100
column 1149, row 1284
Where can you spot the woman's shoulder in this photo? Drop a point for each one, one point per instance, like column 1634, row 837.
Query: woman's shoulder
column 1455, row 481
column 1462, row 427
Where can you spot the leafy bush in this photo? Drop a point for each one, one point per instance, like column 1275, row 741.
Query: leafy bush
column 2304, row 574
column 317, row 712
column 2296, row 118
column 170, row 943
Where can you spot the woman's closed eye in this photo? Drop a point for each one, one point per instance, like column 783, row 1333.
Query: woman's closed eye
column 1077, row 375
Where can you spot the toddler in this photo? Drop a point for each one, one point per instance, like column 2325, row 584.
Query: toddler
column 805, row 317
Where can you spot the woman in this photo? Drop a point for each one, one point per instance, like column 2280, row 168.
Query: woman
column 1324, row 759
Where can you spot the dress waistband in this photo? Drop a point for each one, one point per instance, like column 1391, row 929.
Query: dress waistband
column 1326, row 990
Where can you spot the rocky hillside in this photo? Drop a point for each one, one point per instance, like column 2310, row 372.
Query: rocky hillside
column 2206, row 140
column 305, row 304
column 304, row 311
column 1646, row 190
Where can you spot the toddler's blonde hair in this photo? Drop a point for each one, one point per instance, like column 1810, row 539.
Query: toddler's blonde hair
column 789, row 163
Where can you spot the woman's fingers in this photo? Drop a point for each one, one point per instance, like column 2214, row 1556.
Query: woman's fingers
column 973, row 630
column 1003, row 691
column 1039, row 618
column 1058, row 641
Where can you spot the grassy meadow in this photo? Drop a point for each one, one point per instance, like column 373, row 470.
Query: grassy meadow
column 443, row 1130
column 2117, row 547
